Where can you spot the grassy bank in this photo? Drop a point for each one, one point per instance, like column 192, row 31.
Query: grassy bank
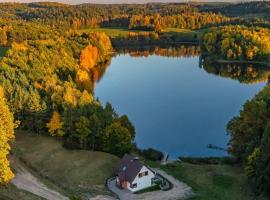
column 211, row 182
column 184, row 32
column 80, row 172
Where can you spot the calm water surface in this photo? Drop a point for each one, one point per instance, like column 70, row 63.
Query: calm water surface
column 176, row 106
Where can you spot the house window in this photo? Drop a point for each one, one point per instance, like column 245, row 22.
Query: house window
column 143, row 174
column 134, row 185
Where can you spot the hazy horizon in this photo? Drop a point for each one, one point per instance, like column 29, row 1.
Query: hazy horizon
column 111, row 1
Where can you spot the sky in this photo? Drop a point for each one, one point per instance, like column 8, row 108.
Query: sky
column 104, row 1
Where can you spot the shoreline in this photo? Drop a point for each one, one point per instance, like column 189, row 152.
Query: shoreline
column 242, row 62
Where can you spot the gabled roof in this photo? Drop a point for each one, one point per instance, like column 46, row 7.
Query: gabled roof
column 128, row 168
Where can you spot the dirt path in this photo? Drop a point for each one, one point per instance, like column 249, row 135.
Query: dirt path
column 26, row 181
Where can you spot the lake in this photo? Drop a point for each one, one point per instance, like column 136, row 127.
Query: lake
column 176, row 105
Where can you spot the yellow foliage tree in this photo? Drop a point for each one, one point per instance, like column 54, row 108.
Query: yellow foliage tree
column 104, row 42
column 55, row 125
column 6, row 135
column 83, row 78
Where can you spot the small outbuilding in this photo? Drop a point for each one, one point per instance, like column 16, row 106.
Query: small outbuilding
column 132, row 174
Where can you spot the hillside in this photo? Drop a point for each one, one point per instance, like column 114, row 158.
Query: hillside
column 74, row 172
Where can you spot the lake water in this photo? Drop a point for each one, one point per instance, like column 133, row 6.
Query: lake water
column 175, row 105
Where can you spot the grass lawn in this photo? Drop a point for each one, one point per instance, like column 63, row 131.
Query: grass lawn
column 3, row 51
column 76, row 171
column 211, row 182
column 110, row 31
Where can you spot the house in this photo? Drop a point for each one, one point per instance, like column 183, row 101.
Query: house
column 132, row 174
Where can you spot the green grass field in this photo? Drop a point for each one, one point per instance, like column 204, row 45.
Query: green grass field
column 212, row 182
column 110, row 31
column 75, row 171
column 3, row 51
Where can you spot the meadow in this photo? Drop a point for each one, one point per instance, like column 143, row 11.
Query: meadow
column 211, row 182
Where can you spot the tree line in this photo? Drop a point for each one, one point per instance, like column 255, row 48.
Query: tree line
column 193, row 20
column 181, row 15
column 88, row 15
column 139, row 39
column 173, row 51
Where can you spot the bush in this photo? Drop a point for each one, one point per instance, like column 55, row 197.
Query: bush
column 152, row 154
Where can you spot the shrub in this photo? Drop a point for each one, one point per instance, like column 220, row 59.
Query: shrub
column 152, row 154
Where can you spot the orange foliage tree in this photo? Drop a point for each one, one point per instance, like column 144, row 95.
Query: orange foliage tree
column 89, row 57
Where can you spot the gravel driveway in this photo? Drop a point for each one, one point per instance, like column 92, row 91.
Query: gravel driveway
column 122, row 194
column 179, row 191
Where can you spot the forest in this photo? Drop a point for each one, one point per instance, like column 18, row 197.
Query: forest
column 250, row 140
column 47, row 79
column 48, row 70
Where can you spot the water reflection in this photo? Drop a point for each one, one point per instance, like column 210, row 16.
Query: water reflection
column 179, row 51
column 244, row 73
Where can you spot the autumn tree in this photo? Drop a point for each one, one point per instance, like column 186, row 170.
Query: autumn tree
column 124, row 121
column 3, row 37
column 6, row 135
column 55, row 126
column 83, row 130
column 104, row 41
column 89, row 57
column 116, row 139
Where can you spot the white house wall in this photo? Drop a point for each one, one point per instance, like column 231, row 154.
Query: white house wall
column 143, row 182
